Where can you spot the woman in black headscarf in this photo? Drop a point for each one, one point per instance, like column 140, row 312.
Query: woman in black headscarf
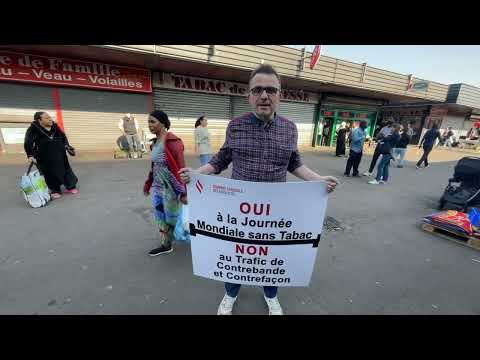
column 47, row 144
column 341, row 134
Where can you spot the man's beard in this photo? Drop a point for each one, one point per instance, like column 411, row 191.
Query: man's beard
column 266, row 117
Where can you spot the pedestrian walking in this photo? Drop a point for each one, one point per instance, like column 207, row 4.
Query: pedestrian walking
column 47, row 145
column 341, row 137
column 401, row 148
column 356, row 149
column 326, row 132
column 203, row 147
column 428, row 141
column 168, row 189
column 410, row 130
column 384, row 132
column 387, row 144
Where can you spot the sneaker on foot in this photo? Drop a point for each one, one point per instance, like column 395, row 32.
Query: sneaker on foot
column 55, row 195
column 274, row 307
column 355, row 175
column 164, row 249
column 366, row 173
column 382, row 182
column 71, row 191
column 346, row 175
column 226, row 306
column 374, row 182
column 417, row 167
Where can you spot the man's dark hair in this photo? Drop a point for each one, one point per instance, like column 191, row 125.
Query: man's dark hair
column 264, row 69
column 390, row 122
column 363, row 123
column 162, row 117
column 435, row 126
column 396, row 127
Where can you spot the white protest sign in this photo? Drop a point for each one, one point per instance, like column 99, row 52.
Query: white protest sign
column 255, row 233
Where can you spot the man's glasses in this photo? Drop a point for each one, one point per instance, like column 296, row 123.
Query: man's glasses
column 270, row 90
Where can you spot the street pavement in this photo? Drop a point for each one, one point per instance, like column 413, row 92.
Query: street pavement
column 87, row 254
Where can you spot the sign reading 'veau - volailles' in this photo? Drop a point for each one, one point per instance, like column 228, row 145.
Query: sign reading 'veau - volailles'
column 77, row 73
column 255, row 233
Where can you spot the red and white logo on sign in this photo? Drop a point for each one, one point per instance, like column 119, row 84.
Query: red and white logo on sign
column 199, row 186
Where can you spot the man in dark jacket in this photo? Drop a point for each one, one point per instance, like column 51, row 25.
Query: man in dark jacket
column 428, row 142
column 383, row 133
column 401, row 148
column 386, row 146
column 356, row 149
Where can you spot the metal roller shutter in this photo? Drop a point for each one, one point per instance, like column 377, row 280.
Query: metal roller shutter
column 91, row 117
column 18, row 103
column 456, row 121
column 297, row 112
column 240, row 106
column 184, row 108
column 302, row 114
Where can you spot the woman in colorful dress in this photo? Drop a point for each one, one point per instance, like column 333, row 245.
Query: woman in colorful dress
column 168, row 190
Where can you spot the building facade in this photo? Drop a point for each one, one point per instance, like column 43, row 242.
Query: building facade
column 88, row 89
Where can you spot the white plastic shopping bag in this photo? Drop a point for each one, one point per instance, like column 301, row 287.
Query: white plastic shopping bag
column 40, row 185
column 182, row 232
column 34, row 188
column 186, row 217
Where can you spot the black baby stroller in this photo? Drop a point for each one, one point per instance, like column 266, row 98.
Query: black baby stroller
column 463, row 190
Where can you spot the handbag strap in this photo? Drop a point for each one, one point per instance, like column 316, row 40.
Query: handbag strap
column 30, row 168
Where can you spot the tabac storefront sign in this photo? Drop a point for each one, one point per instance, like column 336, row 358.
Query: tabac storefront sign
column 221, row 87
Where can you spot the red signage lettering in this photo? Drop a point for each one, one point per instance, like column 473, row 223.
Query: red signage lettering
column 345, row 114
column 65, row 72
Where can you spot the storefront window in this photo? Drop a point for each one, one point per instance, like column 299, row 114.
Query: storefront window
column 333, row 118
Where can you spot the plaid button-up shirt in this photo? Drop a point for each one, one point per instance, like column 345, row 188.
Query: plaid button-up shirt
column 261, row 152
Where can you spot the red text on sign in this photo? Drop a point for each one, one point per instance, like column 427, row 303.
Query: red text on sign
column 251, row 250
column 258, row 209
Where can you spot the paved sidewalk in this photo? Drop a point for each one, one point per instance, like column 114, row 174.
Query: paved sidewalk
column 88, row 254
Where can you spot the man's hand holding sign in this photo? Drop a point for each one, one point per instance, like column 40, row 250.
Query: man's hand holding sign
column 255, row 233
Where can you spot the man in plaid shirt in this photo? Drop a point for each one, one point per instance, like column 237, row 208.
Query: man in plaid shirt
column 262, row 146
